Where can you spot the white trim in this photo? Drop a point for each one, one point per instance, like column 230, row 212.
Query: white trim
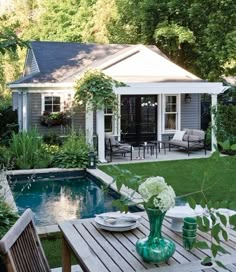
column 89, row 125
column 101, row 135
column 171, row 88
column 62, row 100
column 19, row 111
column 41, row 85
column 24, row 112
column 178, row 113
column 213, row 130
column 159, row 117
column 139, row 88
column 118, row 118
column 113, row 121
column 43, row 90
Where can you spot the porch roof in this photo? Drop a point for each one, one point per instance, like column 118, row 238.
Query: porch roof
column 171, row 88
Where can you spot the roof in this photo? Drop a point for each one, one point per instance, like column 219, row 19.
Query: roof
column 60, row 62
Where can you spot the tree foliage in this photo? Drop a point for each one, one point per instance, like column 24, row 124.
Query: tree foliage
column 199, row 35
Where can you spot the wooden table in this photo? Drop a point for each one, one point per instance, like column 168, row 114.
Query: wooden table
column 103, row 251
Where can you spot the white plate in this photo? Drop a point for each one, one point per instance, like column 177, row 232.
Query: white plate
column 119, row 229
column 119, row 226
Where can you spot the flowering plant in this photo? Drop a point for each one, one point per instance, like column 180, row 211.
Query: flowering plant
column 152, row 192
column 157, row 194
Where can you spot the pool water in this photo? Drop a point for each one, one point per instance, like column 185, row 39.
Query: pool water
column 56, row 200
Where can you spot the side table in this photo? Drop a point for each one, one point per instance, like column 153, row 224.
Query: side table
column 159, row 143
column 147, row 146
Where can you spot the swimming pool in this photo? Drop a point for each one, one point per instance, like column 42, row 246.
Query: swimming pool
column 55, row 198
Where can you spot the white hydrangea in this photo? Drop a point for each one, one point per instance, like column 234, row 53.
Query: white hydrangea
column 164, row 195
column 165, row 200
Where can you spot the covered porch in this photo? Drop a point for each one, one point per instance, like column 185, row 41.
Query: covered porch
column 172, row 107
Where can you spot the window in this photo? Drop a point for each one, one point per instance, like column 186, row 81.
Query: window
column 52, row 103
column 170, row 114
column 108, row 115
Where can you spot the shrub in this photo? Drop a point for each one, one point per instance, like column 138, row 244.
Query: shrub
column 5, row 156
column 8, row 123
column 74, row 153
column 7, row 217
column 27, row 151
column 225, row 123
column 52, row 139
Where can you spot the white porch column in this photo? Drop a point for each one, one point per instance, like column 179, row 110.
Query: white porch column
column 101, row 135
column 19, row 111
column 117, row 116
column 89, row 125
column 24, row 112
column 159, row 117
column 213, row 130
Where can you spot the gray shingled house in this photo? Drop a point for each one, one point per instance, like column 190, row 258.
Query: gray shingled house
column 160, row 98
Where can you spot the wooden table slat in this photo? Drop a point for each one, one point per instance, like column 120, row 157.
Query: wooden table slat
column 98, row 249
column 131, row 249
column 114, row 248
column 82, row 251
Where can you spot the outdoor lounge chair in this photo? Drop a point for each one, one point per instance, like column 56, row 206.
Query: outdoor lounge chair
column 114, row 147
column 193, row 139
column 21, row 248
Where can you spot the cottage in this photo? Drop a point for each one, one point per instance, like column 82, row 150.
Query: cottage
column 159, row 99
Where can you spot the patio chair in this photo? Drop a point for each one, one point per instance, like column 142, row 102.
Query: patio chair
column 114, row 147
column 21, row 248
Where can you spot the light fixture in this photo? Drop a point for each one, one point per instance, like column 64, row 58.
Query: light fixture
column 187, row 98
column 91, row 160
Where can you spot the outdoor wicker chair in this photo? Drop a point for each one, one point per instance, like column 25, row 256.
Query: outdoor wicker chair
column 21, row 248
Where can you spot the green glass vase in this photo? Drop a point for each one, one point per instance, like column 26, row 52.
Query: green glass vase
column 155, row 248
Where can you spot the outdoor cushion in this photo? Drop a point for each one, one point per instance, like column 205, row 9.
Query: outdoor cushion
column 185, row 144
column 185, row 138
column 194, row 138
column 179, row 134
column 112, row 139
column 199, row 133
column 188, row 131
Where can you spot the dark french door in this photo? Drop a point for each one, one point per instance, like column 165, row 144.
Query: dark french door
column 138, row 118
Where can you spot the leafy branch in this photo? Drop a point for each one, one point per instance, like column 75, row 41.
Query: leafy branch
column 96, row 89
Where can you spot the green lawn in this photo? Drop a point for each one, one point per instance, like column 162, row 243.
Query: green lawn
column 53, row 251
column 187, row 175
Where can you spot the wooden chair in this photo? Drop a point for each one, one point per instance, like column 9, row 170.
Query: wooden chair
column 21, row 248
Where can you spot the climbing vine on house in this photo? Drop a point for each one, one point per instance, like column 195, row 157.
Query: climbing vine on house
column 96, row 89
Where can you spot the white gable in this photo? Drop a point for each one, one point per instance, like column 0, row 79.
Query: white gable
column 145, row 65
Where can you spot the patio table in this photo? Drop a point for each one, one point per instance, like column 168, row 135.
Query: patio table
column 146, row 147
column 97, row 250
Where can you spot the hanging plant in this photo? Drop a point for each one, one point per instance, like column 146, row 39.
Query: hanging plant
column 96, row 89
